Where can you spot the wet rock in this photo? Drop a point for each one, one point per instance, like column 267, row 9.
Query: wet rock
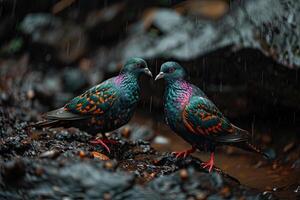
column 45, row 91
column 172, row 186
column 77, row 180
column 35, row 22
column 137, row 132
column 245, row 26
column 74, row 80
column 164, row 20
column 13, row 171
column 154, row 40
column 66, row 42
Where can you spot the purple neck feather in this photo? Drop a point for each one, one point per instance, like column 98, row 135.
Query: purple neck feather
column 186, row 94
column 119, row 79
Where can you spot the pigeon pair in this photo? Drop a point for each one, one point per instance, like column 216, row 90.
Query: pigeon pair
column 189, row 113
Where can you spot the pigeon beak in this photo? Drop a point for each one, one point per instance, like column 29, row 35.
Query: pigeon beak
column 148, row 72
column 160, row 76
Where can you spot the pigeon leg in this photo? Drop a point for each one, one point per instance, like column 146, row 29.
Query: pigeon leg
column 183, row 154
column 209, row 164
column 103, row 142
column 109, row 141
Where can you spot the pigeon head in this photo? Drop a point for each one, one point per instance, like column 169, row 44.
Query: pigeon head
column 136, row 66
column 171, row 71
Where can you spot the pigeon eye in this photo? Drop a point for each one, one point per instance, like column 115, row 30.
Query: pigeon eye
column 171, row 70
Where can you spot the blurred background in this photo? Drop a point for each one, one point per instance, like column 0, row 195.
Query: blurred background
column 243, row 54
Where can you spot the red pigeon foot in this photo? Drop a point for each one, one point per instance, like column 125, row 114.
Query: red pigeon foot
column 209, row 164
column 183, row 154
column 103, row 142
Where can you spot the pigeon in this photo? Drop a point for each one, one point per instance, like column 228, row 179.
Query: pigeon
column 104, row 107
column 191, row 115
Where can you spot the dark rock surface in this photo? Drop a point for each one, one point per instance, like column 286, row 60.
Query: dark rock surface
column 271, row 26
column 61, row 163
column 64, row 41
column 142, row 174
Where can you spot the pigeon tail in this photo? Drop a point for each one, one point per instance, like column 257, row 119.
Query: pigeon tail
column 46, row 123
column 239, row 135
column 248, row 146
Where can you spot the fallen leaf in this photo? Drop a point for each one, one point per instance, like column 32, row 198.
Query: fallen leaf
column 100, row 156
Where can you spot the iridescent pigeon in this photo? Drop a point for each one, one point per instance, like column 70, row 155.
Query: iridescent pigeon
column 104, row 107
column 195, row 118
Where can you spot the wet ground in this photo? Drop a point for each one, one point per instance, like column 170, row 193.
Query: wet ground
column 281, row 176
column 56, row 163
column 61, row 163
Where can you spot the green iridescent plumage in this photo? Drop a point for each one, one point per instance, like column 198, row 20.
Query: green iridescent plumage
column 104, row 107
column 201, row 116
column 96, row 100
column 195, row 118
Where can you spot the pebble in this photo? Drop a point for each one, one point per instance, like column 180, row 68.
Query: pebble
column 107, row 196
column 161, row 140
column 201, row 196
column 30, row 94
column 126, row 131
column 50, row 154
column 109, row 165
column 183, row 174
column 82, row 154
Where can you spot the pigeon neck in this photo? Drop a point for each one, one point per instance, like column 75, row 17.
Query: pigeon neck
column 175, row 84
column 181, row 91
column 127, row 80
column 172, row 81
